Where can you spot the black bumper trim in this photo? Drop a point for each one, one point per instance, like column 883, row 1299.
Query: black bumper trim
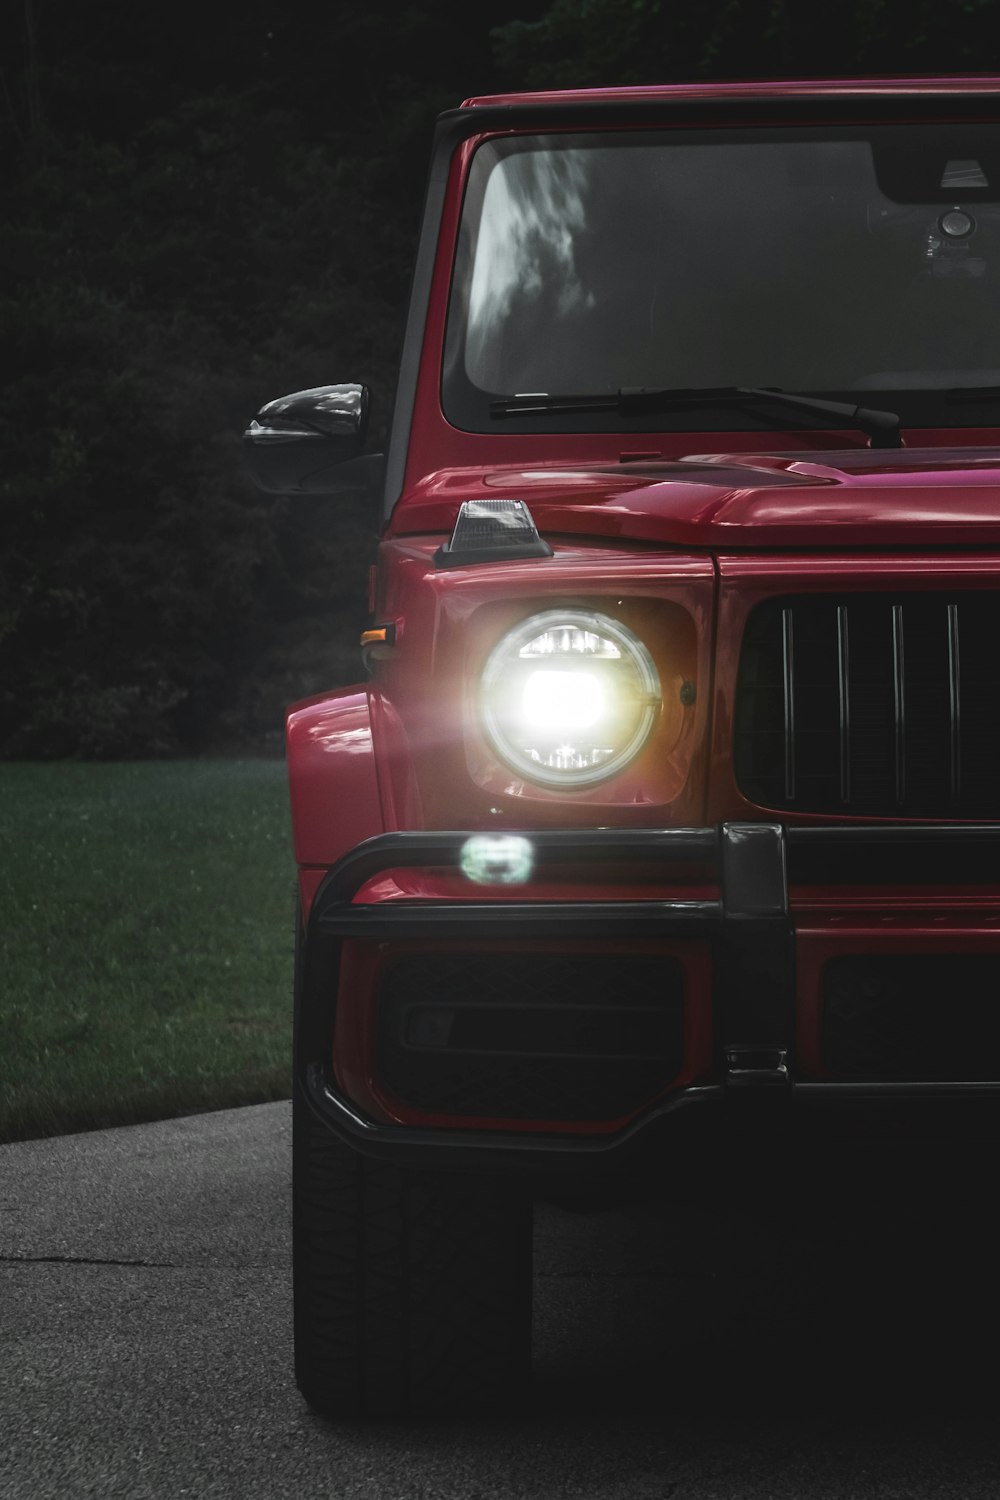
column 546, row 919
column 798, row 1118
column 748, row 928
column 414, row 1142
column 908, row 854
column 753, row 945
column 896, row 1089
column 754, row 964
column 674, row 846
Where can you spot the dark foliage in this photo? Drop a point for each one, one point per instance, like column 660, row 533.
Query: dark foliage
column 206, row 206
column 592, row 42
column 157, row 292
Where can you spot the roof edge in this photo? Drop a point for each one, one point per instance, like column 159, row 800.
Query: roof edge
column 774, row 88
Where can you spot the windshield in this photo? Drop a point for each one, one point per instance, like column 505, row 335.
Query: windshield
column 838, row 261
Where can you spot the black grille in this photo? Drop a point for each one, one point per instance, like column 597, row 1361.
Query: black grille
column 872, row 703
column 543, row 1036
column 912, row 1018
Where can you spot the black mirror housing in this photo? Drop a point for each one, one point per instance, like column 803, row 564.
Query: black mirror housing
column 309, row 442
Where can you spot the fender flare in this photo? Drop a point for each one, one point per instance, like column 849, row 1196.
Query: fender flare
column 332, row 774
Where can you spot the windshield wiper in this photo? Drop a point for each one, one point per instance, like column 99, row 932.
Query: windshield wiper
column 881, row 426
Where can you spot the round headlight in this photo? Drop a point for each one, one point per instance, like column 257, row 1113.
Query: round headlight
column 569, row 697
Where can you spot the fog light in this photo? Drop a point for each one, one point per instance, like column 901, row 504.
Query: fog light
column 497, row 859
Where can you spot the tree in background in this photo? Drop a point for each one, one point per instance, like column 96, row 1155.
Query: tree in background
column 208, row 206
column 155, row 292
column 581, row 43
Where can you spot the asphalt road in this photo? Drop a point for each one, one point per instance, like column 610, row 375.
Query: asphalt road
column 145, row 1342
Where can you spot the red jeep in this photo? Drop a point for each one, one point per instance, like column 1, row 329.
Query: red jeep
column 667, row 827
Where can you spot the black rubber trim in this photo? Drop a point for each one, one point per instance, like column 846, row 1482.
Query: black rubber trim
column 753, row 990
column 484, row 919
column 416, row 318
column 445, row 558
column 932, row 854
column 753, row 871
column 831, row 1092
column 406, row 1142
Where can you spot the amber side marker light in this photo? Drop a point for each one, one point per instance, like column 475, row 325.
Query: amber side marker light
column 377, row 643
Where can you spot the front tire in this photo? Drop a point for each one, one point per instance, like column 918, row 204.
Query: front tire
column 412, row 1289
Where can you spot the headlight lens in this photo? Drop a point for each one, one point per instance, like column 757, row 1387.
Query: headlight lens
column 569, row 697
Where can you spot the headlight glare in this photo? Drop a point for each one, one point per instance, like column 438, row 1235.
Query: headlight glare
column 563, row 701
column 569, row 697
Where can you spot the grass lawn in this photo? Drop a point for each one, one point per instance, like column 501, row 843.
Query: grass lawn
column 146, row 916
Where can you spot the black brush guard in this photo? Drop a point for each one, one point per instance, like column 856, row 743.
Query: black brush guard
column 752, row 940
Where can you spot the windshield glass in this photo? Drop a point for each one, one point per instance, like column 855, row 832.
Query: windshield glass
column 835, row 261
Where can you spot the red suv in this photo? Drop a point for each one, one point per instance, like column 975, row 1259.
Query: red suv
column 667, row 825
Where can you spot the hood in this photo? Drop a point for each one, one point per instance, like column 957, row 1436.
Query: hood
column 926, row 497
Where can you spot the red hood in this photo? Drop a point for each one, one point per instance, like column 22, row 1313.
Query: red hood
column 736, row 501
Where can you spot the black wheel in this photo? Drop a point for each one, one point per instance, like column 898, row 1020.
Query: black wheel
column 412, row 1290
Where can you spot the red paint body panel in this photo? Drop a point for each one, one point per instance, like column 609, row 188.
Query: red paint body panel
column 957, row 83
column 435, row 766
column 852, row 497
column 331, row 768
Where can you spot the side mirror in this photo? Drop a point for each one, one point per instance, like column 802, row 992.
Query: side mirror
column 311, row 442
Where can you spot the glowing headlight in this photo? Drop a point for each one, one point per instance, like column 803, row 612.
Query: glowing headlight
column 569, row 697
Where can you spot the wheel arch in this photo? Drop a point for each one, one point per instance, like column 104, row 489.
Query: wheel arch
column 333, row 781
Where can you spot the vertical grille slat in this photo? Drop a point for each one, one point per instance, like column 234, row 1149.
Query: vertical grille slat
column 871, row 704
column 899, row 701
column 788, row 675
column 954, row 705
column 844, row 703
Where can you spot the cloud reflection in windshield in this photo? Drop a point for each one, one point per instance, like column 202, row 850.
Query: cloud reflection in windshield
column 533, row 212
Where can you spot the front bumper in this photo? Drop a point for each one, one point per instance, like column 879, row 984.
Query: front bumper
column 730, row 893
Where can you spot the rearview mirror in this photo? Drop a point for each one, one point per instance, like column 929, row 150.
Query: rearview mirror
column 312, row 442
